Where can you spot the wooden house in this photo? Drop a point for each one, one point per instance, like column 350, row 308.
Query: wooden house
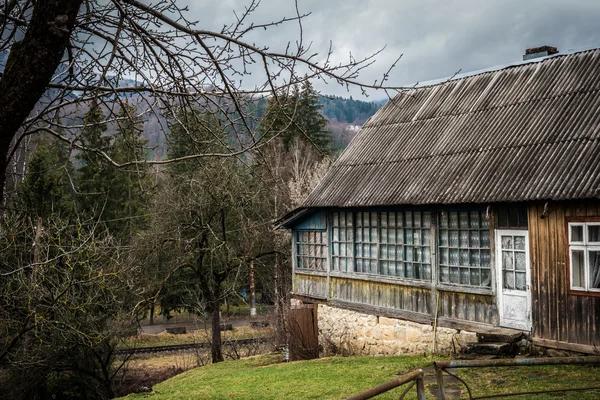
column 473, row 203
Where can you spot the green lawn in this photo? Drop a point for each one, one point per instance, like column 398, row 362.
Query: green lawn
column 339, row 378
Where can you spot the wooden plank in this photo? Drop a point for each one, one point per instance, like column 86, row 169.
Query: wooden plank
column 472, row 326
column 383, row 312
column 309, row 300
column 593, row 312
column 535, row 270
column 553, row 317
column 544, row 260
column 555, row 344
column 562, row 277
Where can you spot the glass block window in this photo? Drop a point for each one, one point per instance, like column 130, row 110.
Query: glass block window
column 464, row 248
column 405, row 244
column 584, row 256
column 311, row 250
column 342, row 242
column 365, row 234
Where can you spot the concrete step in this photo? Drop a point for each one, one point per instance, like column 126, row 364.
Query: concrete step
column 493, row 348
column 500, row 336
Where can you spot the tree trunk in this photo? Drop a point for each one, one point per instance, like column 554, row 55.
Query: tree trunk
column 252, row 291
column 216, row 345
column 152, row 313
column 30, row 66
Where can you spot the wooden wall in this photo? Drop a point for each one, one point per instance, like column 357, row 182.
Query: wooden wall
column 311, row 285
column 380, row 294
column 467, row 307
column 558, row 315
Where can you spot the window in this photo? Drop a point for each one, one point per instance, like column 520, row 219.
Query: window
column 406, row 244
column 513, row 217
column 311, row 250
column 366, row 242
column 584, row 255
column 464, row 248
column 342, row 242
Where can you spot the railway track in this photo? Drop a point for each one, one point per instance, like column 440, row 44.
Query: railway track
column 189, row 346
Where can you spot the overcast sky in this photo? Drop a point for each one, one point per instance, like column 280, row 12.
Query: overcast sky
column 436, row 37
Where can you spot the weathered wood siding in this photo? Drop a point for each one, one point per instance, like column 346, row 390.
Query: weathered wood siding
column 468, row 307
column 310, row 285
column 556, row 314
column 379, row 294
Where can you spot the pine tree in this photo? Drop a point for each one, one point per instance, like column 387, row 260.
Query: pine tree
column 281, row 117
column 45, row 189
column 311, row 120
column 94, row 176
column 130, row 185
column 297, row 116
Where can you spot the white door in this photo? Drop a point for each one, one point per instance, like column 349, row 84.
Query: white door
column 513, row 278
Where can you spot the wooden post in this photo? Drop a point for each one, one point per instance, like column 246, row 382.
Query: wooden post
column 252, row 291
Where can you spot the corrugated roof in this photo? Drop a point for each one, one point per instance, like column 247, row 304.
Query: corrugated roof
column 525, row 132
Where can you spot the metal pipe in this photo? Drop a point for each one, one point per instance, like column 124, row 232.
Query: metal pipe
column 515, row 362
column 399, row 381
column 491, row 396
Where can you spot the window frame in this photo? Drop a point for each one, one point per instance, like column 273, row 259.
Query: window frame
column 322, row 245
column 484, row 224
column 584, row 246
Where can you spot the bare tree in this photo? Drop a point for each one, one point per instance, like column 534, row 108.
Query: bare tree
column 66, row 306
column 76, row 51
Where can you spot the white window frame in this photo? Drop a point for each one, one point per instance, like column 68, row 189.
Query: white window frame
column 586, row 246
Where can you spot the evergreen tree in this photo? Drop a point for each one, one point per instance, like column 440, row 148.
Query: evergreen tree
column 130, row 185
column 117, row 197
column 311, row 121
column 94, row 177
column 281, row 117
column 45, row 189
column 297, row 116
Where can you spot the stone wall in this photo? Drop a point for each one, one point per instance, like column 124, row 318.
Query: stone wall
column 350, row 332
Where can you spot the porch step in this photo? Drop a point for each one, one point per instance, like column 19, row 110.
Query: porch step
column 500, row 336
column 493, row 348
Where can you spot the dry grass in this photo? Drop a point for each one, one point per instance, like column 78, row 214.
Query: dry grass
column 195, row 336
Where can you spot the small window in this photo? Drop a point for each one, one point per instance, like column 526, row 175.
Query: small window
column 513, row 217
column 311, row 250
column 584, row 256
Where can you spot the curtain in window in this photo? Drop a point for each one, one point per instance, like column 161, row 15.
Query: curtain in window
column 595, row 269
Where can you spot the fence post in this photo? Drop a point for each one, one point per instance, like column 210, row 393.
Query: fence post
column 439, row 373
column 420, row 387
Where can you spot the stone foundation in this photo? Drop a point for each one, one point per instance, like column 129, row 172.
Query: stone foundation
column 352, row 333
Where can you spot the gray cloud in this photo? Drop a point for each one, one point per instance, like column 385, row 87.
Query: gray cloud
column 436, row 37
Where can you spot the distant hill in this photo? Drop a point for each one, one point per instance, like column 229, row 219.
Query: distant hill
column 345, row 115
column 350, row 111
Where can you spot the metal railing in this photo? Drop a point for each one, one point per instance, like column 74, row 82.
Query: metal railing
column 415, row 377
column 443, row 366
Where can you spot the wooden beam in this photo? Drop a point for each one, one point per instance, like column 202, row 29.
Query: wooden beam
column 383, row 312
column 555, row 344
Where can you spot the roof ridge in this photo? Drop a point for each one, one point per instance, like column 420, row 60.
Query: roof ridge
column 478, row 72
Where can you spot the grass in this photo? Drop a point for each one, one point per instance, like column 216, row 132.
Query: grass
column 195, row 336
column 264, row 377
column 233, row 311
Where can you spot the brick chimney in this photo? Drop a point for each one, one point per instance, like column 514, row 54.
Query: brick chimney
column 536, row 52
